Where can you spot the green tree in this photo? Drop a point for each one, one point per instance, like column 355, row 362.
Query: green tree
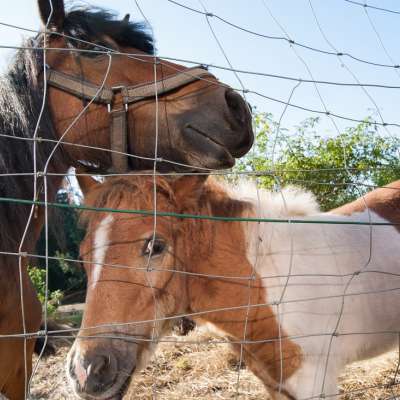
column 337, row 169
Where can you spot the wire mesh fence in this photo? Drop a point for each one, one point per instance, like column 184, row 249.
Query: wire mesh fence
column 312, row 290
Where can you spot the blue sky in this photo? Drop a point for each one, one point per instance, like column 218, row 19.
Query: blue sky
column 183, row 34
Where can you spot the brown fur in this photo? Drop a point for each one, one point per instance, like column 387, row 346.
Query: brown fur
column 12, row 360
column 384, row 201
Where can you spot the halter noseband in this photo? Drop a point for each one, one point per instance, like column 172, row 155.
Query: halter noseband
column 130, row 94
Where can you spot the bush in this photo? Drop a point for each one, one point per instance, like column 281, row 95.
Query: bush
column 38, row 278
column 336, row 168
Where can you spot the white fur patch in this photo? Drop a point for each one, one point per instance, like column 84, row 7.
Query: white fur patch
column 306, row 267
column 290, row 201
column 100, row 245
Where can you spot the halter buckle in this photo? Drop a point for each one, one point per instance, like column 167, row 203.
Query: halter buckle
column 110, row 111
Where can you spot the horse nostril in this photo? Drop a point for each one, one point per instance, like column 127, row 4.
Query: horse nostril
column 237, row 106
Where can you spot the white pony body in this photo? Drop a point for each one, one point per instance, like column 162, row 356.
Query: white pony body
column 307, row 268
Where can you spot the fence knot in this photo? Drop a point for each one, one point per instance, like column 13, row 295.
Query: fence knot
column 41, row 333
column 209, row 14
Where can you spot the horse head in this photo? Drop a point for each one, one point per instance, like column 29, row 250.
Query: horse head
column 133, row 98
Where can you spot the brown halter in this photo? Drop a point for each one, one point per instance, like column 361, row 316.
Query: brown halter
column 130, row 94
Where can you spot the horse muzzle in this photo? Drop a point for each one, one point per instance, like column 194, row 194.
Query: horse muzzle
column 206, row 126
column 215, row 134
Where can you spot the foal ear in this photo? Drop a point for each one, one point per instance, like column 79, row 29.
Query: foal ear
column 189, row 187
column 53, row 13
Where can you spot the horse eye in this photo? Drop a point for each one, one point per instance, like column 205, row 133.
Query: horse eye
column 100, row 47
column 153, row 247
column 96, row 50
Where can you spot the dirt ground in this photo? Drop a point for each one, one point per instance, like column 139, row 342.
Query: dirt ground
column 186, row 371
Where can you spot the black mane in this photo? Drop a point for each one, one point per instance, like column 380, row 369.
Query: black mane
column 21, row 97
column 91, row 24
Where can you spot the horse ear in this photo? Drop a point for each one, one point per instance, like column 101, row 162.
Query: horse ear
column 52, row 12
column 188, row 187
column 126, row 19
column 86, row 182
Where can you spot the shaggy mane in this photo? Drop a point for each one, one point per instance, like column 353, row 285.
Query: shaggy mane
column 93, row 23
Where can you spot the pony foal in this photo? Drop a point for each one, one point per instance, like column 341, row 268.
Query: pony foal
column 303, row 299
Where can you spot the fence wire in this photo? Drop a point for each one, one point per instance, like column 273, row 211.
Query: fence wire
column 150, row 271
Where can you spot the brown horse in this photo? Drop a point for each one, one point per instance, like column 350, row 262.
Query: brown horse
column 279, row 288
column 201, row 122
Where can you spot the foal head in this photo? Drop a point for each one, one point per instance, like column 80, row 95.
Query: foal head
column 130, row 261
column 143, row 273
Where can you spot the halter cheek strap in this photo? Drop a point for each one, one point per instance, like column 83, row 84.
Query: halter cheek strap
column 130, row 94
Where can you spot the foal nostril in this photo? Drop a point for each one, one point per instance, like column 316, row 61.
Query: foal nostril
column 98, row 367
column 237, row 106
column 96, row 373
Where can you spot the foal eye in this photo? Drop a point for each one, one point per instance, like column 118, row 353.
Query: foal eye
column 153, row 247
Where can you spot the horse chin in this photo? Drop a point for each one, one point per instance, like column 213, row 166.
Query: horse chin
column 204, row 151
